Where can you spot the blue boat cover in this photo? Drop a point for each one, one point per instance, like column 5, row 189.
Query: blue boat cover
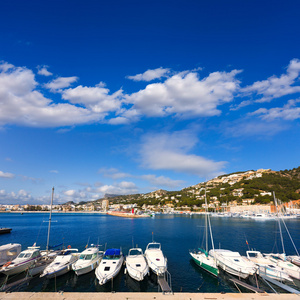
column 112, row 252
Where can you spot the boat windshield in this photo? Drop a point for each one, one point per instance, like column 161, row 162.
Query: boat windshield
column 22, row 254
column 153, row 246
column 135, row 252
column 111, row 256
column 86, row 256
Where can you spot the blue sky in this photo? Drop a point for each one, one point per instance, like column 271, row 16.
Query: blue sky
column 126, row 97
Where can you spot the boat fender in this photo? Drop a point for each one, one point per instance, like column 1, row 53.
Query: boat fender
column 125, row 271
column 7, row 264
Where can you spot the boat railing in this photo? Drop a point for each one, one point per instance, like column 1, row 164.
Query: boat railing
column 263, row 270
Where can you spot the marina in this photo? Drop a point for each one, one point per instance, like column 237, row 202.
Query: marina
column 176, row 235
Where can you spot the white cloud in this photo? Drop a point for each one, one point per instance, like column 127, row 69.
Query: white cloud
column 162, row 181
column 288, row 112
column 275, row 87
column 96, row 99
column 43, row 70
column 60, row 83
column 113, row 173
column 170, row 152
column 150, row 74
column 6, row 175
column 184, row 95
column 54, row 171
column 21, row 197
column 21, row 104
column 122, row 188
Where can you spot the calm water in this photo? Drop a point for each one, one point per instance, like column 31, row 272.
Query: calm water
column 177, row 234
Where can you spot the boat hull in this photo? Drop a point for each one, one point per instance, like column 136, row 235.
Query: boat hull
column 205, row 263
column 86, row 269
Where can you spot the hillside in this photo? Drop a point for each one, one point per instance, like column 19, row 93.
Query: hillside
column 236, row 188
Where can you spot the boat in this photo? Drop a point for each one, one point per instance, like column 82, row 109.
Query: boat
column 5, row 230
column 202, row 257
column 61, row 264
column 155, row 258
column 280, row 261
column 136, row 264
column 266, row 267
column 233, row 263
column 9, row 252
column 110, row 265
column 88, row 260
column 22, row 262
column 295, row 259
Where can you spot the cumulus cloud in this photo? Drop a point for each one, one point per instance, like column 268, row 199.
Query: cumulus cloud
column 6, row 175
column 43, row 70
column 121, row 188
column 184, row 95
column 22, row 104
column 96, row 99
column 60, row 83
column 275, row 87
column 171, row 152
column 21, row 197
column 150, row 75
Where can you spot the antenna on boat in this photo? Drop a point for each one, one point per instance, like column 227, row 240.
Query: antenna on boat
column 49, row 226
column 152, row 238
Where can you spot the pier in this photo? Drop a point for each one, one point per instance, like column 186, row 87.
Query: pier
column 144, row 296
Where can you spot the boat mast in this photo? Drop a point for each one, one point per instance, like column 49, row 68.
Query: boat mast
column 281, row 237
column 206, row 216
column 47, row 247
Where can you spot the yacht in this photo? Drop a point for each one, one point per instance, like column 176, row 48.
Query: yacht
column 136, row 264
column 266, row 267
column 88, row 260
column 22, row 262
column 233, row 263
column 155, row 258
column 110, row 265
column 61, row 264
column 9, row 252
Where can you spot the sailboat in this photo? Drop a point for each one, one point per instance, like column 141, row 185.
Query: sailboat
column 202, row 257
column 278, row 259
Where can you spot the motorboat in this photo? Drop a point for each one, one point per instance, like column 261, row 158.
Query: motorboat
column 136, row 264
column 233, row 263
column 155, row 258
column 61, row 264
column 280, row 261
column 22, row 262
column 9, row 252
column 47, row 257
column 88, row 260
column 295, row 259
column 266, row 267
column 110, row 265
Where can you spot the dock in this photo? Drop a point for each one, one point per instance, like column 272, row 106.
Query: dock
column 165, row 288
column 144, row 296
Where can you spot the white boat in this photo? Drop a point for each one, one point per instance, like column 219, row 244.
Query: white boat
column 39, row 265
column 202, row 257
column 233, row 263
column 22, row 262
column 110, row 265
column 266, row 267
column 9, row 252
column 136, row 264
column 61, row 264
column 280, row 261
column 155, row 258
column 295, row 259
column 88, row 260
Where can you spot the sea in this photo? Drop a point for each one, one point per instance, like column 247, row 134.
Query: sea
column 177, row 234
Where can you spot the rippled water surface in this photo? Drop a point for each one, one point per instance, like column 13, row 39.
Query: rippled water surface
column 176, row 233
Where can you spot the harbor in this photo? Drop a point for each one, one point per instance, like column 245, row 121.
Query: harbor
column 175, row 235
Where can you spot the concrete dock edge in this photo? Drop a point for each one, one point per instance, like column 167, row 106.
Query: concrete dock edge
column 143, row 296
